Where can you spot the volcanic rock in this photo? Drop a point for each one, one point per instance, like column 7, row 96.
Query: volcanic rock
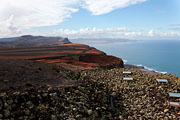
column 103, row 60
column 70, row 56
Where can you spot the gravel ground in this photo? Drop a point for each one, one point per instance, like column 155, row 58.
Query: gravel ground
column 143, row 98
column 102, row 94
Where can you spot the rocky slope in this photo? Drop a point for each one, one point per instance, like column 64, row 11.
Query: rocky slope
column 34, row 84
column 101, row 94
column 25, row 75
column 141, row 99
column 32, row 41
column 72, row 56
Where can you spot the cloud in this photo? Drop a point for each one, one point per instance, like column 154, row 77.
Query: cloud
column 8, row 28
column 16, row 16
column 99, row 7
column 98, row 33
column 170, row 34
column 36, row 13
column 167, row 35
column 122, row 32
column 151, row 33
column 26, row 14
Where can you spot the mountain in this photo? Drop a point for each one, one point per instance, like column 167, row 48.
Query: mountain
column 32, row 41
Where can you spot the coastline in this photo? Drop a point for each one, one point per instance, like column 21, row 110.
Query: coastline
column 143, row 68
column 100, row 93
column 149, row 54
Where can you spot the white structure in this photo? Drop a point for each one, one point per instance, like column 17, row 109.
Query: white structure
column 174, row 104
column 177, row 95
column 126, row 72
column 128, row 79
column 162, row 80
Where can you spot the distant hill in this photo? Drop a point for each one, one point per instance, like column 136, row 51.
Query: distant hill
column 32, row 41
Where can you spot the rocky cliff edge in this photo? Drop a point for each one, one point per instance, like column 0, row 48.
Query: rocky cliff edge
column 71, row 56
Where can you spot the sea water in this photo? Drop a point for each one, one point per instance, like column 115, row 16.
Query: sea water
column 156, row 55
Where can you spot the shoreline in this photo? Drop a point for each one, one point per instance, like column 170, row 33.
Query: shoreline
column 100, row 93
column 143, row 68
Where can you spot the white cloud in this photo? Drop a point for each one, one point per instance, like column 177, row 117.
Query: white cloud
column 122, row 32
column 98, row 33
column 27, row 14
column 170, row 34
column 36, row 13
column 16, row 16
column 151, row 33
column 166, row 34
column 99, row 7
column 8, row 28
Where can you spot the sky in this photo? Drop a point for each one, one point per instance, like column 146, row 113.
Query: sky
column 126, row 19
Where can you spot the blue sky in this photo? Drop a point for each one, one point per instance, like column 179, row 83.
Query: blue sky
column 131, row 19
column 147, row 15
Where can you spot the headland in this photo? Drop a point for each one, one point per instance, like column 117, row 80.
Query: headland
column 76, row 81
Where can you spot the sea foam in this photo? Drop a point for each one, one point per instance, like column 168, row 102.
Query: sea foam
column 150, row 69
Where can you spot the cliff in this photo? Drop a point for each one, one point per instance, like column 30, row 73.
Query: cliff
column 34, row 84
column 70, row 56
column 103, row 60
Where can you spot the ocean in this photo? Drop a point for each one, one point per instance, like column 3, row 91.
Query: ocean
column 160, row 56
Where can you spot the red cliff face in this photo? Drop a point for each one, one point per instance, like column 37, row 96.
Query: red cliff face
column 73, row 56
column 102, row 60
